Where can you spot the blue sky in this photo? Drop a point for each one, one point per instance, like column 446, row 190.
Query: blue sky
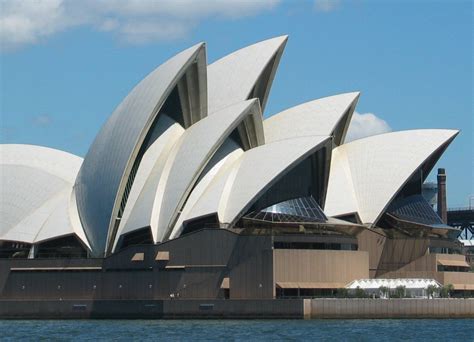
column 65, row 65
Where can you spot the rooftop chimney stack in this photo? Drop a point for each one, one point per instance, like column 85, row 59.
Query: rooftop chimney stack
column 442, row 207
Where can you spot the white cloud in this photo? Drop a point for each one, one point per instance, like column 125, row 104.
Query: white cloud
column 326, row 5
column 141, row 32
column 364, row 125
column 25, row 22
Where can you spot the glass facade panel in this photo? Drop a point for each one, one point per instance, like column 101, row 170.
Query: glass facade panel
column 415, row 209
column 304, row 209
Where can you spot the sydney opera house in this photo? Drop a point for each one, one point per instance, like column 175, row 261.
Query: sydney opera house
column 191, row 190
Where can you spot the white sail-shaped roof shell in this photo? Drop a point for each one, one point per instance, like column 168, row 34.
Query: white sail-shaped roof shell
column 229, row 152
column 36, row 186
column 244, row 74
column 238, row 185
column 169, row 185
column 140, row 201
column 103, row 178
column 368, row 173
column 192, row 153
column 328, row 116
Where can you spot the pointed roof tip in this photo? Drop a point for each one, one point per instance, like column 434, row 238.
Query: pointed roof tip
column 202, row 46
column 192, row 49
column 198, row 46
column 280, row 39
column 279, row 42
column 275, row 43
column 283, row 37
column 450, row 131
column 234, row 77
column 354, row 94
column 453, row 133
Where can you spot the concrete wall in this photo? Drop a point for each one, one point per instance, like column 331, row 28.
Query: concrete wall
column 390, row 308
column 388, row 256
column 460, row 280
column 322, row 266
column 426, row 267
column 373, row 243
column 197, row 264
column 44, row 309
column 400, row 252
column 272, row 308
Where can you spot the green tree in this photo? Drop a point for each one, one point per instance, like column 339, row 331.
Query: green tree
column 384, row 291
column 400, row 292
column 446, row 291
column 360, row 293
column 431, row 291
column 342, row 293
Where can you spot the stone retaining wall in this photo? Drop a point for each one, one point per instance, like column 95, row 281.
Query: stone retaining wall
column 389, row 308
column 271, row 308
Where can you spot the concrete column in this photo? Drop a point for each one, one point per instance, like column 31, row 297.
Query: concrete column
column 442, row 206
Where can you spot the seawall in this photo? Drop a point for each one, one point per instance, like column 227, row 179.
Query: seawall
column 166, row 309
column 269, row 308
column 390, row 308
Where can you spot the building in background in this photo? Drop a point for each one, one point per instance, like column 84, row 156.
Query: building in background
column 463, row 219
column 430, row 193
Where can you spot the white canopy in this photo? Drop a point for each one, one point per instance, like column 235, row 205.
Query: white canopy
column 409, row 283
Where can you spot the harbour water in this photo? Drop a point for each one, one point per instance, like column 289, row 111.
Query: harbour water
column 239, row 330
